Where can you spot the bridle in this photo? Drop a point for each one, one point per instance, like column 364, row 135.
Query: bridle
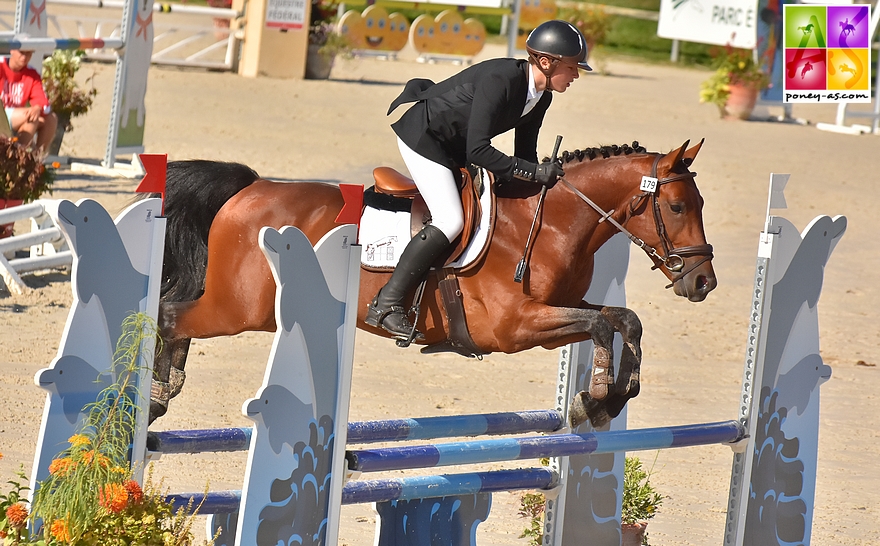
column 672, row 258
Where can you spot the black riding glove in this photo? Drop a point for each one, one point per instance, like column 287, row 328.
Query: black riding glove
column 548, row 173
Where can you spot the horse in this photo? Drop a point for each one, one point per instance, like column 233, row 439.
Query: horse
column 216, row 281
column 847, row 68
column 807, row 68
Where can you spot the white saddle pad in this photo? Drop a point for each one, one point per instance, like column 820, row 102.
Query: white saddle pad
column 384, row 234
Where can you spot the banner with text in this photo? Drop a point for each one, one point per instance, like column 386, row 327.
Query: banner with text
column 286, row 14
column 719, row 22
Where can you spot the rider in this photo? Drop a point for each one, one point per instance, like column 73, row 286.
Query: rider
column 451, row 125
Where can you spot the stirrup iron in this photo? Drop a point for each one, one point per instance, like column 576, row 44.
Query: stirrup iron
column 416, row 308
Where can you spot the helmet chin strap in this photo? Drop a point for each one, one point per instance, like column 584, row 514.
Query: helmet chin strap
column 548, row 72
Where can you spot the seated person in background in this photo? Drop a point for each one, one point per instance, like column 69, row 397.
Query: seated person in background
column 25, row 101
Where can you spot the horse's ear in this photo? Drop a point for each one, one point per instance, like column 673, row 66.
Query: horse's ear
column 692, row 153
column 672, row 158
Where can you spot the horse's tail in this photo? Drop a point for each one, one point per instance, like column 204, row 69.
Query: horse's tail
column 194, row 193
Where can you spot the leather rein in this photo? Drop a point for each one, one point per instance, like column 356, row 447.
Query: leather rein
column 672, row 258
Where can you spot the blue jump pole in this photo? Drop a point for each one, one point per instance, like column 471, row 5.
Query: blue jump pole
column 536, row 447
column 362, row 432
column 416, row 487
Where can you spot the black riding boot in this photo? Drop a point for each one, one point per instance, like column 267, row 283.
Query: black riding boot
column 387, row 309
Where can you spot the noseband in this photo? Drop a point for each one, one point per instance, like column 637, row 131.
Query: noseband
column 672, row 258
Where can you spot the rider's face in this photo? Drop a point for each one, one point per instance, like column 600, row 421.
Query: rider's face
column 562, row 77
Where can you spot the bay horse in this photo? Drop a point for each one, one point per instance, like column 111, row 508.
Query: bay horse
column 216, row 281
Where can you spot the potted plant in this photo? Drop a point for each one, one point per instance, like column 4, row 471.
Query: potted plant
column 325, row 42
column 735, row 84
column 65, row 97
column 23, row 177
column 640, row 502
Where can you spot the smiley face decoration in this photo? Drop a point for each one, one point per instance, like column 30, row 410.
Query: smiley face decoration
column 374, row 29
column 447, row 34
column 532, row 13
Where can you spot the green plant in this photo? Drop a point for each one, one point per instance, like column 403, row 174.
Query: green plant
column 90, row 497
column 640, row 499
column 331, row 42
column 97, row 457
column 531, row 506
column 22, row 173
column 323, row 32
column 591, row 20
column 13, row 510
column 732, row 67
column 59, row 79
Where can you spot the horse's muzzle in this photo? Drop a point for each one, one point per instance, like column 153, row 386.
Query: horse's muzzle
column 696, row 285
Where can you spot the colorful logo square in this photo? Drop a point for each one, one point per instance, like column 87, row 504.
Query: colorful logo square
column 805, row 26
column 848, row 69
column 848, row 26
column 805, row 69
column 827, row 53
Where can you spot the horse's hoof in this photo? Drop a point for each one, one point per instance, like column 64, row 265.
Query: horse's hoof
column 577, row 411
column 157, row 410
column 599, row 417
column 634, row 387
column 582, row 407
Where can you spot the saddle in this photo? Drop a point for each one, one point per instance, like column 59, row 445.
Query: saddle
column 392, row 186
column 392, row 183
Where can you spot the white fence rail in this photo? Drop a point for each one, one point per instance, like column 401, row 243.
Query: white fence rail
column 45, row 242
column 192, row 36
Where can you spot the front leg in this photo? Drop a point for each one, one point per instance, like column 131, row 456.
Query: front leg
column 600, row 413
column 552, row 327
column 628, row 324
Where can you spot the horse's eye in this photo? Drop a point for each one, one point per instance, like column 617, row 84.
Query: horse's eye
column 676, row 208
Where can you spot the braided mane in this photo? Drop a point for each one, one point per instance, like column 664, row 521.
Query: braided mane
column 603, row 151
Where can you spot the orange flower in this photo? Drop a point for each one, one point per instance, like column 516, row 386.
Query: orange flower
column 135, row 493
column 114, row 497
column 89, row 456
column 55, row 164
column 60, row 531
column 17, row 515
column 61, row 467
column 79, row 440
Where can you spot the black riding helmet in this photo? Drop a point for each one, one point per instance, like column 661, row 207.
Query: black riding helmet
column 559, row 40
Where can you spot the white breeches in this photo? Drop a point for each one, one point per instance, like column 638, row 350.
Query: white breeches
column 438, row 187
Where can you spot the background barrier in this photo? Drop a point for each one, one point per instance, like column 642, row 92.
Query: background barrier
column 45, row 243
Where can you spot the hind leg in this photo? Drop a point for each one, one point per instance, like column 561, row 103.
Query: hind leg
column 168, row 376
